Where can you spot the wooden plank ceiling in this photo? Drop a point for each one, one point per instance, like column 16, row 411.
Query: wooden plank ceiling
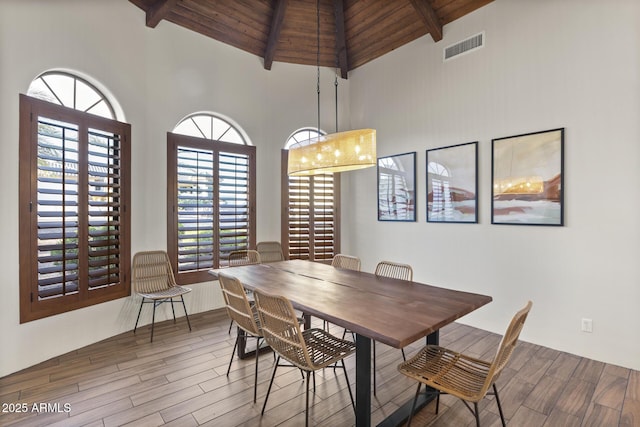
column 352, row 32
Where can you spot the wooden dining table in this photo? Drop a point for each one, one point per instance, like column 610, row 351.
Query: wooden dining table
column 391, row 311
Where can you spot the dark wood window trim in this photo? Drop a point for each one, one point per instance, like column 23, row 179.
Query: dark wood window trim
column 82, row 255
column 318, row 245
column 222, row 229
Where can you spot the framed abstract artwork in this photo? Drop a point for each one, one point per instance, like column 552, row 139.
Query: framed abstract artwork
column 397, row 187
column 527, row 179
column 452, row 183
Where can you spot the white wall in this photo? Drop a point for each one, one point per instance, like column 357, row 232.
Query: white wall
column 546, row 64
column 158, row 76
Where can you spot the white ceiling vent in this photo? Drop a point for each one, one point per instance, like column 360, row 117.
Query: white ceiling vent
column 465, row 46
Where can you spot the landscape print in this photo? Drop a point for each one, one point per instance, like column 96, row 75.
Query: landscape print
column 527, row 179
column 452, row 183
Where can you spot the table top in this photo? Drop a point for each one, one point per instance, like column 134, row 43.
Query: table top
column 393, row 312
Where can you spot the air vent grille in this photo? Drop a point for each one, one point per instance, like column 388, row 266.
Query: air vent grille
column 465, row 46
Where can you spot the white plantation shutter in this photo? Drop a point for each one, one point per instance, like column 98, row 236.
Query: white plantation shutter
column 74, row 224
column 211, row 204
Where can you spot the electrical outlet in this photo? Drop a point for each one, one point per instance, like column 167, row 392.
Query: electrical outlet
column 587, row 325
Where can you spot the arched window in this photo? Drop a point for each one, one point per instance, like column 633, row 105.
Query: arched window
column 311, row 227
column 65, row 89
column 74, row 220
column 211, row 194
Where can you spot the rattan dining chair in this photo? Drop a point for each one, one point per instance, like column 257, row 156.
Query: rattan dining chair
column 242, row 257
column 244, row 314
column 349, row 262
column 152, row 278
column 392, row 270
column 308, row 350
column 270, row 251
column 465, row 377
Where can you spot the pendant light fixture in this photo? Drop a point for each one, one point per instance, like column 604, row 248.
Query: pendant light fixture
column 336, row 152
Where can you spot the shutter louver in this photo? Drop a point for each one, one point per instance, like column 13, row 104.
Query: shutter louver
column 234, row 206
column 299, row 217
column 57, row 208
column 195, row 209
column 104, row 212
column 323, row 217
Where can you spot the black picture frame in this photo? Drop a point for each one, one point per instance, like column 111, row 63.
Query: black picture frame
column 397, row 187
column 527, row 179
column 452, row 183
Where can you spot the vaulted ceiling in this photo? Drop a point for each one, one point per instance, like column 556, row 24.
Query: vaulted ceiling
column 352, row 32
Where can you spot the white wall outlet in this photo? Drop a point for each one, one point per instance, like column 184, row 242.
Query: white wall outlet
column 587, row 325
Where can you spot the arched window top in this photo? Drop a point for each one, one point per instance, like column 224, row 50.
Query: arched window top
column 437, row 169
column 66, row 89
column 302, row 135
column 212, row 126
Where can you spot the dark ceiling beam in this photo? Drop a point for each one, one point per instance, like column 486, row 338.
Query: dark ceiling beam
column 274, row 32
column 341, row 43
column 158, row 11
column 431, row 20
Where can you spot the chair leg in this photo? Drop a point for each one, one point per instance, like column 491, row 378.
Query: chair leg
column 255, row 377
column 173, row 310
column 437, row 402
column 346, row 378
column 273, row 375
column 404, row 357
column 477, row 414
column 230, row 325
column 495, row 391
column 185, row 312
column 413, row 407
column 306, row 409
column 235, row 346
column 138, row 318
column 153, row 319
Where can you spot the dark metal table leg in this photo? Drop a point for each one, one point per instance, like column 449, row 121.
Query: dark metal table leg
column 401, row 415
column 363, row 381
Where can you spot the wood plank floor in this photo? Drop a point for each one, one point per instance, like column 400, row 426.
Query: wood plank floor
column 179, row 380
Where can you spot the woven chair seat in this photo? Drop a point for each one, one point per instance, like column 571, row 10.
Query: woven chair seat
column 324, row 349
column 174, row 291
column 451, row 372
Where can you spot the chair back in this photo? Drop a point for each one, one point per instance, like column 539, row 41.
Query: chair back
column 507, row 345
column 281, row 329
column 151, row 272
column 237, row 304
column 346, row 261
column 270, row 251
column 245, row 257
column 394, row 270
